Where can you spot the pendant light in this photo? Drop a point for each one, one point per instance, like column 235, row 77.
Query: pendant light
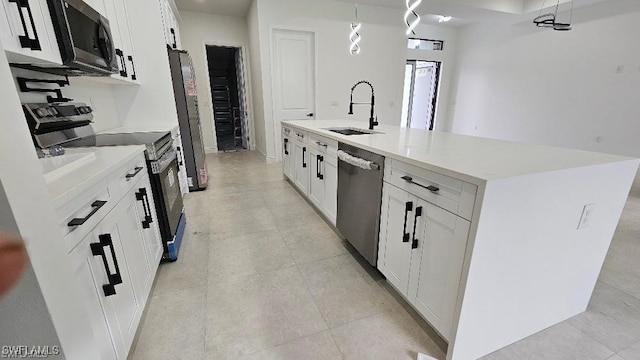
column 550, row 20
column 354, row 36
column 411, row 12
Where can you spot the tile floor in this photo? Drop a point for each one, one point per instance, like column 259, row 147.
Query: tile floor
column 261, row 276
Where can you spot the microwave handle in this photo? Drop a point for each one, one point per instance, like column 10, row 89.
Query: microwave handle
column 25, row 40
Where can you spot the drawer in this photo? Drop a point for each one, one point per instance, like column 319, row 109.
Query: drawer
column 451, row 194
column 323, row 144
column 87, row 209
column 124, row 177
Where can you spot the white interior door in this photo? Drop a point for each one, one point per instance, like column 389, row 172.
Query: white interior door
column 293, row 76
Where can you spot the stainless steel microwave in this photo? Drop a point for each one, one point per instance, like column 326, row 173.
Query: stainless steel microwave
column 84, row 38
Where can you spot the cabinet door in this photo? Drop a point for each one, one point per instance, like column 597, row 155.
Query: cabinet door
column 114, row 24
column 396, row 226
column 441, row 249
column 31, row 41
column 127, row 40
column 148, row 226
column 316, row 179
column 302, row 166
column 286, row 156
column 330, row 175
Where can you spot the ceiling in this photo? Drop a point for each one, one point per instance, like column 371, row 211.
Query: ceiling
column 464, row 12
column 222, row 7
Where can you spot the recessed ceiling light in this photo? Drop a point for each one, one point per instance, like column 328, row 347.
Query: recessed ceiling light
column 442, row 18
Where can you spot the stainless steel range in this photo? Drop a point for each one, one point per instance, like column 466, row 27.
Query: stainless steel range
column 69, row 125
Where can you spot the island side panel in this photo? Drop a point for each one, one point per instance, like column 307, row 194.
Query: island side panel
column 531, row 267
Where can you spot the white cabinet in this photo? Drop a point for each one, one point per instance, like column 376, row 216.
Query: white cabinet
column 323, row 175
column 301, row 162
column 27, row 32
column 116, row 260
column 116, row 12
column 288, row 150
column 421, row 252
column 171, row 25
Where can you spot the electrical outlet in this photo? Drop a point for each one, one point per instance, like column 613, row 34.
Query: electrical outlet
column 587, row 216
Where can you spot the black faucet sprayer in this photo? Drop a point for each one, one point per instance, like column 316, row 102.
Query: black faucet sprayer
column 372, row 120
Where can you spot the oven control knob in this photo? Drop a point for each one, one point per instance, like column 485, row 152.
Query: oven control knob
column 88, row 109
column 42, row 112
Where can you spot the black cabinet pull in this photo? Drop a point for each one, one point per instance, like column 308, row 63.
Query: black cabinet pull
column 123, row 63
column 175, row 42
column 286, row 149
column 431, row 188
column 414, row 244
column 80, row 221
column 405, row 235
column 137, row 169
column 133, row 67
column 317, row 166
column 143, row 196
column 320, row 168
column 97, row 249
column 25, row 40
column 304, row 151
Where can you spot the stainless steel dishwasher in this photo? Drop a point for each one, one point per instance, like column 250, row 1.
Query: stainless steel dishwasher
column 359, row 198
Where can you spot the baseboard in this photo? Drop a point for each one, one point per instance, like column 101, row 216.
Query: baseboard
column 210, row 150
column 635, row 187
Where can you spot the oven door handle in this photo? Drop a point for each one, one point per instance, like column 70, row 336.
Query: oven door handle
column 157, row 167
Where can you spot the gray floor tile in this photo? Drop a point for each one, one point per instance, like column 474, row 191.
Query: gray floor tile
column 612, row 318
column 313, row 242
column 616, row 357
column 241, row 222
column 389, row 335
column 190, row 270
column 248, row 254
column 631, row 353
column 314, row 347
column 254, row 313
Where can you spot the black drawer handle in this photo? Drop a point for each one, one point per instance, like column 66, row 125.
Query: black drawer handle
column 414, row 244
column 286, row 148
column 136, row 171
column 133, row 67
column 304, row 151
column 80, row 221
column 431, row 188
column 175, row 42
column 97, row 249
column 123, row 63
column 143, row 197
column 405, row 235
column 25, row 40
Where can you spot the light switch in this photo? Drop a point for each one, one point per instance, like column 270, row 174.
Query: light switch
column 587, row 216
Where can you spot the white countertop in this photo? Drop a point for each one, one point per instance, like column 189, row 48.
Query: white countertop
column 143, row 128
column 472, row 159
column 108, row 158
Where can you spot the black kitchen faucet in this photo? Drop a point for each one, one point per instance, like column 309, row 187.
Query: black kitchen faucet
column 372, row 121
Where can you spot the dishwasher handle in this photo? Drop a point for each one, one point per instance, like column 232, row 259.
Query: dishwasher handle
column 357, row 162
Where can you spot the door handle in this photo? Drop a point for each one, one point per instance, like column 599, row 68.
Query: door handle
column 137, row 169
column 310, row 114
column 320, row 168
column 414, row 244
column 409, row 179
column 80, row 221
column 286, row 150
column 175, row 42
column 133, row 67
column 123, row 64
column 25, row 40
column 407, row 209
column 142, row 196
column 304, row 151
column 97, row 249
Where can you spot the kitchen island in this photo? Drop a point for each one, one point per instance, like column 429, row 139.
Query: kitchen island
column 523, row 229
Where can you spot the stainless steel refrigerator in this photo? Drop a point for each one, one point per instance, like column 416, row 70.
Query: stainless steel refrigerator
column 184, row 88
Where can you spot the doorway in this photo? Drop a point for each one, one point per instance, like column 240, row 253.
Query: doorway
column 420, row 94
column 226, row 79
column 293, row 71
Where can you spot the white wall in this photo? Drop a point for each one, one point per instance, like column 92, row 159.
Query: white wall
column 255, row 59
column 579, row 89
column 196, row 31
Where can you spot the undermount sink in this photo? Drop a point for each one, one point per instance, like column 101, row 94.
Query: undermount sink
column 55, row 167
column 352, row 131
